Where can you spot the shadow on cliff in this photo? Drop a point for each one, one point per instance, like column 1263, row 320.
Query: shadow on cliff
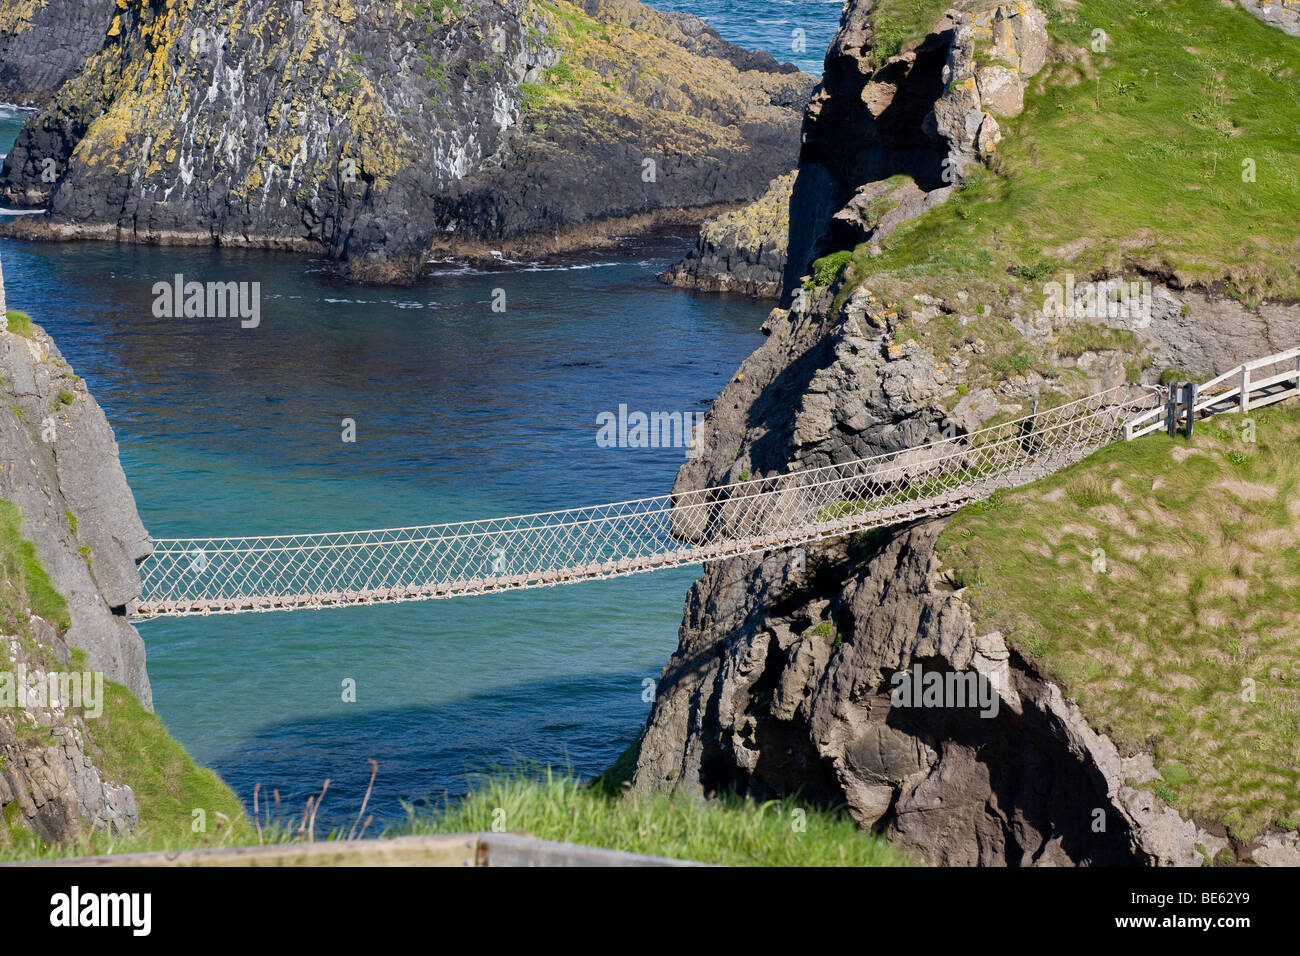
column 1021, row 796
column 868, row 126
column 426, row 754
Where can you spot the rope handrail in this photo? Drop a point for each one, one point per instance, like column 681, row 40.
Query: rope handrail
column 208, row 575
column 752, row 486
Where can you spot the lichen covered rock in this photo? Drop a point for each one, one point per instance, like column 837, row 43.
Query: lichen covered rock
column 741, row 251
column 995, row 49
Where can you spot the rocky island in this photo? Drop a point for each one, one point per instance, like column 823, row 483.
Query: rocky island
column 381, row 133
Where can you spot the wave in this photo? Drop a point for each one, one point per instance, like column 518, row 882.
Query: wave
column 459, row 268
column 20, row 212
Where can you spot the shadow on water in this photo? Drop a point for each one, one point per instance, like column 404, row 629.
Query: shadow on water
column 427, row 754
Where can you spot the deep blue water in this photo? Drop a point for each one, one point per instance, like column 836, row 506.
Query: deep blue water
column 460, row 412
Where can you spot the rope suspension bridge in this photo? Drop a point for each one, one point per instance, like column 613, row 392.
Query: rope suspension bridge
column 201, row 576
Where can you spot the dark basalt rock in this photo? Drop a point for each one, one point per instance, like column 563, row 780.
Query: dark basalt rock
column 42, row 45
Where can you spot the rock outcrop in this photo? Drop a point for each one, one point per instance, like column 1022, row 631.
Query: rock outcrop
column 43, row 44
column 994, row 50
column 381, row 132
column 743, row 250
column 782, row 677
column 63, row 491
column 797, row 698
column 59, row 467
column 882, row 145
column 49, row 782
column 1283, row 14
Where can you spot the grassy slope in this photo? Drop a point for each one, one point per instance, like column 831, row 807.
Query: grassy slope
column 1130, row 158
column 1155, row 581
column 24, row 585
column 727, row 831
column 129, row 744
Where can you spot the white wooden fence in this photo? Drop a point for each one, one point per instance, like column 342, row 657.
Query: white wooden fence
column 1250, row 385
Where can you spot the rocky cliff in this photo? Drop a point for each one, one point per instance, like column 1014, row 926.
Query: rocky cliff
column 69, row 542
column 382, row 132
column 59, row 467
column 50, row 784
column 43, row 44
column 783, row 677
column 884, row 140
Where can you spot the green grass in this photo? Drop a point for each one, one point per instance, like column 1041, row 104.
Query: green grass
column 729, row 831
column 19, row 323
column 24, row 585
column 829, row 268
column 1158, row 583
column 898, row 25
column 1131, row 159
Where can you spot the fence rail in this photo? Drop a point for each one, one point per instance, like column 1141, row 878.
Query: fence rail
column 1237, row 390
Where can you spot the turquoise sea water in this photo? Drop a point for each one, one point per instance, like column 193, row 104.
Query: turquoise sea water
column 461, row 412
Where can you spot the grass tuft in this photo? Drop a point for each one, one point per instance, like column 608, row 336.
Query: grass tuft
column 19, row 323
column 728, row 830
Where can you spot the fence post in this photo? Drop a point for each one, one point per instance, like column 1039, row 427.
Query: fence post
column 1245, row 388
column 1192, row 388
column 1171, row 410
